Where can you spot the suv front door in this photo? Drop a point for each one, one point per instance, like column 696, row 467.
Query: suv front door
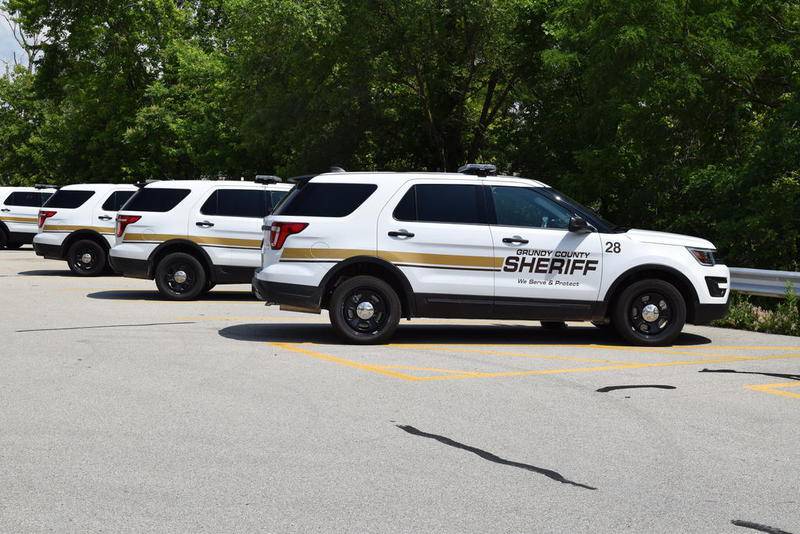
column 546, row 271
column 438, row 235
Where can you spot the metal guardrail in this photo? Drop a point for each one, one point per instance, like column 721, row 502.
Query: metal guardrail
column 763, row 283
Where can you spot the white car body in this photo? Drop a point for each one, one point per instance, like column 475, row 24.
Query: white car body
column 19, row 211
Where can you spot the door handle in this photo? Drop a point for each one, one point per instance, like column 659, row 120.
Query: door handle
column 401, row 233
column 515, row 240
column 5, row 210
column 204, row 224
column 104, row 218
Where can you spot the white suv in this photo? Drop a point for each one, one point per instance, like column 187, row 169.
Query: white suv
column 374, row 247
column 77, row 225
column 19, row 208
column 192, row 235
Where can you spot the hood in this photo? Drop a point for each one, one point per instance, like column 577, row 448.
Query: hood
column 664, row 238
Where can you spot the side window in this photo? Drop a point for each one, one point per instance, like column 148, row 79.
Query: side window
column 442, row 203
column 117, row 200
column 275, row 198
column 68, row 199
column 237, row 203
column 325, row 199
column 522, row 206
column 27, row 199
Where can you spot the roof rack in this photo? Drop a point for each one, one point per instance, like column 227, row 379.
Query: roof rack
column 143, row 183
column 267, row 179
column 479, row 169
column 46, row 186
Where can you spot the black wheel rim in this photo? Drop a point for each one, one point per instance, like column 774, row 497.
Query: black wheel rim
column 650, row 313
column 365, row 311
column 84, row 259
column 177, row 286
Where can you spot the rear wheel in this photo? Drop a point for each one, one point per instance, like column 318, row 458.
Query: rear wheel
column 3, row 239
column 365, row 310
column 87, row 258
column 180, row 276
column 650, row 312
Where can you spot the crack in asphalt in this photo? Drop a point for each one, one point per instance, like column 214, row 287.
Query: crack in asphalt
column 549, row 473
column 101, row 326
column 613, row 388
column 774, row 375
column 758, row 527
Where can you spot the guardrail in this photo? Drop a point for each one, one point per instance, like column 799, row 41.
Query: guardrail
column 763, row 283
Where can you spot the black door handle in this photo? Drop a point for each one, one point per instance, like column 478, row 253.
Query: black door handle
column 401, row 233
column 104, row 218
column 515, row 240
column 204, row 224
column 5, row 210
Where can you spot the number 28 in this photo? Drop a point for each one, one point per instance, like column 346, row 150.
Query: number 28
column 613, row 247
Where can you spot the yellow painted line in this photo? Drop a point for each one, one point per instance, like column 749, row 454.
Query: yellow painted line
column 432, row 369
column 523, row 355
column 777, row 389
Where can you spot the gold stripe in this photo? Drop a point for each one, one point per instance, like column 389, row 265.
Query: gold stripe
column 200, row 240
column 337, row 254
column 72, row 228
column 20, row 219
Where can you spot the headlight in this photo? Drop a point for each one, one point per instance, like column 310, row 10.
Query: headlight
column 703, row 255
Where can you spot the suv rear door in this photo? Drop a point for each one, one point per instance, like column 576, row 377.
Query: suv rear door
column 438, row 235
column 20, row 210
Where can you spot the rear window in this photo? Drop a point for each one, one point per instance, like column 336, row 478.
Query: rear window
column 237, row 203
column 442, row 203
column 68, row 199
column 28, row 199
column 117, row 200
column 156, row 199
column 325, row 200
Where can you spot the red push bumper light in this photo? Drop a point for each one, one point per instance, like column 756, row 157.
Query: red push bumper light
column 123, row 221
column 279, row 231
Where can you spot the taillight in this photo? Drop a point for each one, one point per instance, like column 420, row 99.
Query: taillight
column 123, row 221
column 279, row 231
column 44, row 215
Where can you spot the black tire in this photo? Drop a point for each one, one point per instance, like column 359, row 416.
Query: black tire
column 553, row 325
column 13, row 246
column 3, row 239
column 605, row 326
column 86, row 257
column 191, row 287
column 208, row 288
column 667, row 320
column 382, row 301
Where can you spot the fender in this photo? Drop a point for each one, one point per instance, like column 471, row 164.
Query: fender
column 651, row 267
column 79, row 234
column 182, row 243
column 372, row 260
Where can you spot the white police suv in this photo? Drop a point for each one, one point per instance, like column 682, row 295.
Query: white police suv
column 192, row 235
column 19, row 209
column 77, row 225
column 374, row 247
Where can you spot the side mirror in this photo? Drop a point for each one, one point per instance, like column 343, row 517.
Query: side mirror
column 578, row 225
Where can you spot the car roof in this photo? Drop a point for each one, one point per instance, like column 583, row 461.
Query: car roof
column 27, row 189
column 99, row 187
column 208, row 184
column 399, row 178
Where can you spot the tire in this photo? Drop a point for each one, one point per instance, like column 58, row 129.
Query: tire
column 380, row 299
column 208, row 288
column 666, row 321
column 189, row 285
column 604, row 326
column 87, row 258
column 553, row 325
column 13, row 246
column 3, row 239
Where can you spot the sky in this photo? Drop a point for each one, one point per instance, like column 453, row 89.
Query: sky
column 7, row 43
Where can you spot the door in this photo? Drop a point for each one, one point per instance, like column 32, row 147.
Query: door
column 21, row 211
column 438, row 236
column 227, row 224
column 547, row 272
column 104, row 213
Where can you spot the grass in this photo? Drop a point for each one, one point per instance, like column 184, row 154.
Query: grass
column 764, row 315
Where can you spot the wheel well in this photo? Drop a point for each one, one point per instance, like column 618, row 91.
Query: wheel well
column 84, row 234
column 370, row 267
column 681, row 283
column 187, row 247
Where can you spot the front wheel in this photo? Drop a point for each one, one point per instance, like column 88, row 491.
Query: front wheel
column 86, row 258
column 180, row 276
column 365, row 310
column 650, row 312
column 13, row 245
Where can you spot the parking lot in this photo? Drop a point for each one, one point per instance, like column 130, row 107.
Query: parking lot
column 123, row 412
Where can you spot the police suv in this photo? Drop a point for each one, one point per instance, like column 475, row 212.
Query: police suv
column 374, row 247
column 19, row 208
column 192, row 235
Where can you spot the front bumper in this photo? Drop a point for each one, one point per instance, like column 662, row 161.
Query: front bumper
column 131, row 268
column 706, row 313
column 295, row 295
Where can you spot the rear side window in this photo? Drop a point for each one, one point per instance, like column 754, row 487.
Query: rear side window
column 275, row 198
column 156, row 199
column 28, row 199
column 325, row 200
column 253, row 203
column 117, row 200
column 68, row 199
column 442, row 203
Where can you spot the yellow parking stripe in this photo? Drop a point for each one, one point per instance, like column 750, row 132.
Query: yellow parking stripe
column 342, row 361
column 777, row 389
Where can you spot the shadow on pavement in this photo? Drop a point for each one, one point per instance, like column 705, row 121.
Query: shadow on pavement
column 134, row 295
column 440, row 334
column 63, row 272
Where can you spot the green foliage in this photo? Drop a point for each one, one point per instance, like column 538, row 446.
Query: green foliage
column 782, row 318
column 675, row 115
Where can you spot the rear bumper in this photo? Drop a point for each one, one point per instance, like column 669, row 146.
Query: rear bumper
column 308, row 297
column 50, row 252
column 130, row 267
column 23, row 238
column 706, row 313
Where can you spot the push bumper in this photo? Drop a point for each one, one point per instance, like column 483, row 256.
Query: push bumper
column 294, row 295
column 706, row 313
column 129, row 267
column 50, row 252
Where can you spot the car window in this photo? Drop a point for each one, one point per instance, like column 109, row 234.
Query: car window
column 443, row 203
column 237, row 203
column 156, row 199
column 325, row 199
column 275, row 198
column 28, row 199
column 522, row 206
column 116, row 200
column 68, row 199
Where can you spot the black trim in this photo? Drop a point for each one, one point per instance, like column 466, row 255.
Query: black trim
column 705, row 313
column 651, row 267
column 301, row 296
column 22, row 238
column 713, row 283
column 482, row 307
column 50, row 252
column 130, row 267
column 226, row 274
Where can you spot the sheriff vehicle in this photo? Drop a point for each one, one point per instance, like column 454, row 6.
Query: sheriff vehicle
column 77, row 225
column 374, row 247
column 19, row 208
column 191, row 235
